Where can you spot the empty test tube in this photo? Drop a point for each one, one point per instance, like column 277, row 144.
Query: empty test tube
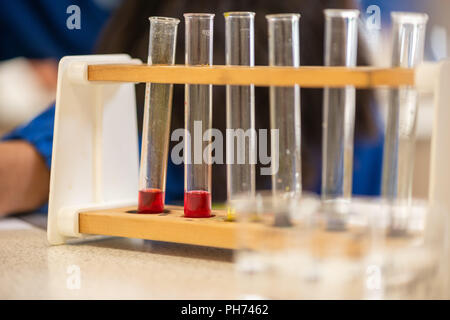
column 283, row 30
column 241, row 135
column 157, row 113
column 341, row 39
column 198, row 118
column 399, row 145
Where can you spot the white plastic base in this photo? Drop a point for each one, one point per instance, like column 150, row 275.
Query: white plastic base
column 95, row 160
column 436, row 77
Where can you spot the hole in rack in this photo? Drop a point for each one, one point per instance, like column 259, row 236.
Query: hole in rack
column 164, row 213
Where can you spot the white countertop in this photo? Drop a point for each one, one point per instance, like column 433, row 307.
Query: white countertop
column 107, row 268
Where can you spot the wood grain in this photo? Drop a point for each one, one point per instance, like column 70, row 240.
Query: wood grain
column 171, row 226
column 308, row 77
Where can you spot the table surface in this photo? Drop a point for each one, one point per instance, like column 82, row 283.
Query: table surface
column 107, row 268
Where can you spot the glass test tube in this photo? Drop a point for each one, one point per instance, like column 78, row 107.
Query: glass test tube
column 285, row 106
column 157, row 112
column 198, row 118
column 241, row 135
column 341, row 39
column 399, row 144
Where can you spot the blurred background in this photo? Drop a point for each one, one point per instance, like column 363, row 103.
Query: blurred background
column 35, row 34
column 436, row 48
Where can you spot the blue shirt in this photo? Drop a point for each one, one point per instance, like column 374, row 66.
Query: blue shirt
column 367, row 161
column 38, row 29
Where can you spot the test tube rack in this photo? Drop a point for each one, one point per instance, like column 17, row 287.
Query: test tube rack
column 94, row 174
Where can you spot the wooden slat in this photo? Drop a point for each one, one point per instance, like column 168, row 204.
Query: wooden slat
column 170, row 227
column 212, row 232
column 217, row 232
column 308, row 77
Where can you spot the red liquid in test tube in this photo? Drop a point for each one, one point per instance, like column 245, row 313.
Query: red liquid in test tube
column 151, row 201
column 198, row 111
column 197, row 204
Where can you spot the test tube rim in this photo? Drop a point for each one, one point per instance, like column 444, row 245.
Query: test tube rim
column 342, row 13
column 239, row 14
column 199, row 15
column 167, row 20
column 409, row 17
column 283, row 16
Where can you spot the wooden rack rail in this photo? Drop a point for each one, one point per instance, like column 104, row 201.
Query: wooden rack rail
column 170, row 226
column 216, row 231
column 308, row 77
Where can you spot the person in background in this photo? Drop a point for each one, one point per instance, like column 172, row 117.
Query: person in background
column 33, row 36
column 127, row 32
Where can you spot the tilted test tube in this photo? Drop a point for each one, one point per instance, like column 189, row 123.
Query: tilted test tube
column 285, row 107
column 341, row 39
column 198, row 118
column 240, row 110
column 157, row 113
column 399, row 145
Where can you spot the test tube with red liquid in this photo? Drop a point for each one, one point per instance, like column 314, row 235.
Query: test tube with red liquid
column 157, row 113
column 198, row 118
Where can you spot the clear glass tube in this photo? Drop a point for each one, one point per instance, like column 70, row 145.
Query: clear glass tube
column 157, row 113
column 341, row 39
column 198, row 118
column 241, row 135
column 285, row 106
column 399, row 145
